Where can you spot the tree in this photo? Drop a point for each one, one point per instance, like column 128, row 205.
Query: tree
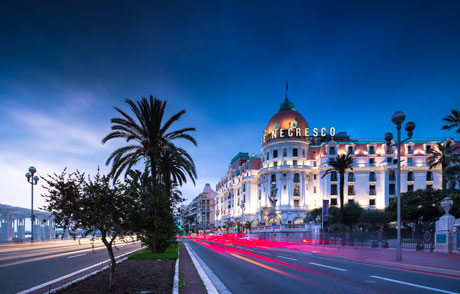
column 426, row 203
column 452, row 176
column 340, row 164
column 445, row 155
column 453, row 121
column 352, row 214
column 153, row 142
column 81, row 203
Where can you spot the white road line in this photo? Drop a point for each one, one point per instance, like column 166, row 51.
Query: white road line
column 210, row 288
column 76, row 255
column 332, row 267
column 264, row 253
column 414, row 285
column 248, row 249
column 288, row 257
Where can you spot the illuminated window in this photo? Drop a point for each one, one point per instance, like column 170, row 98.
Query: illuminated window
column 294, row 162
column 410, row 150
column 314, row 163
column 409, row 160
column 351, row 189
column 294, row 152
column 350, row 150
column 296, row 203
column 303, row 152
column 296, row 190
column 275, row 153
column 332, row 150
column 333, row 189
column 314, row 189
column 275, row 163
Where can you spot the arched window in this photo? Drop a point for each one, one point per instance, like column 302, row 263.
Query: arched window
column 429, row 176
column 392, row 175
column 334, row 176
column 296, row 178
column 372, row 177
column 273, row 179
column 410, row 176
column 351, row 177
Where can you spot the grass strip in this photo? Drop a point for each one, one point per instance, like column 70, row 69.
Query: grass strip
column 170, row 253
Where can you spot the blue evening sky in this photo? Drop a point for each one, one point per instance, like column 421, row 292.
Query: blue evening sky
column 350, row 64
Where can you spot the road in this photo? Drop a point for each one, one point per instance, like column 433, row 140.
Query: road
column 260, row 269
column 23, row 266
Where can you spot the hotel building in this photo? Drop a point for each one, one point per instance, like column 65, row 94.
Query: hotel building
column 293, row 161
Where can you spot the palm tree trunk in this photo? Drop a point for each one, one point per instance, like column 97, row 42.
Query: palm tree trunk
column 443, row 178
column 342, row 183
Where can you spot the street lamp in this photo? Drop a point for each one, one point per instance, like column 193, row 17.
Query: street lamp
column 242, row 206
column 33, row 180
column 272, row 197
column 398, row 118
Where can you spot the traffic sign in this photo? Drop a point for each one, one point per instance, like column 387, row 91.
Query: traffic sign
column 453, row 229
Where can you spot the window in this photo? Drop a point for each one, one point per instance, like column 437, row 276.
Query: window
column 333, row 201
column 410, row 176
column 371, row 149
column 389, row 159
column 429, row 187
column 410, row 187
column 391, row 175
column 332, row 150
column 260, row 194
column 392, row 189
column 409, row 160
column 351, row 201
column 284, row 162
column 275, row 153
column 427, row 148
column 284, row 152
column 372, row 202
column 284, row 187
column 296, row 203
column 372, row 177
column 372, row 190
column 314, row 177
column 294, row 162
column 268, row 156
column 410, row 149
column 273, row 178
column 294, row 152
column 296, row 178
column 351, row 177
column 334, row 176
column 314, row 189
column 372, row 161
column 334, row 189
column 296, row 190
column 275, row 163
column 314, row 163
column 351, row 189
column 393, row 199
column 350, row 150
column 303, row 152
column 429, row 176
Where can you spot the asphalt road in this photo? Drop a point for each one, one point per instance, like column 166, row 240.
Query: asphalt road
column 23, row 266
column 259, row 269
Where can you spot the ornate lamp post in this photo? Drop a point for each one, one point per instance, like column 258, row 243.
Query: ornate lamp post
column 33, row 180
column 398, row 118
column 273, row 199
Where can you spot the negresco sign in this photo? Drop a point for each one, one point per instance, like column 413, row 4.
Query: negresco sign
column 297, row 132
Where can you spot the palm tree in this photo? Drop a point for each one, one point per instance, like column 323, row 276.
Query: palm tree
column 446, row 155
column 340, row 164
column 149, row 136
column 452, row 120
column 453, row 176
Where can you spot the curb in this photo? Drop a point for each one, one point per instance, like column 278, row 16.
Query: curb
column 204, row 277
column 49, row 283
column 175, row 289
column 421, row 268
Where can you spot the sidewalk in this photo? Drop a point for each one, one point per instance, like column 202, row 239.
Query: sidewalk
column 191, row 281
column 443, row 263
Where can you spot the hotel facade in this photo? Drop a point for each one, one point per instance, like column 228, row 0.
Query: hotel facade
column 288, row 174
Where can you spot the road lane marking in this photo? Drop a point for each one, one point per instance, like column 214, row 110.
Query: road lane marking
column 210, row 288
column 290, row 258
column 328, row 266
column 414, row 285
column 264, row 253
column 76, row 255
